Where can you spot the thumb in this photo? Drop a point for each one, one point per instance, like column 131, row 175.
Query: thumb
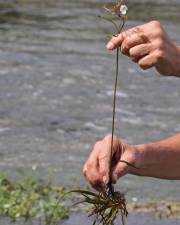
column 115, row 42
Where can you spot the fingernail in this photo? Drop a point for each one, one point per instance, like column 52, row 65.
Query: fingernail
column 105, row 180
column 110, row 46
column 115, row 177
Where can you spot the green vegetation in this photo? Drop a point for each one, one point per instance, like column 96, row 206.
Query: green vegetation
column 32, row 199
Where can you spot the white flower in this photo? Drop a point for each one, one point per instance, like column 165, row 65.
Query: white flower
column 123, row 10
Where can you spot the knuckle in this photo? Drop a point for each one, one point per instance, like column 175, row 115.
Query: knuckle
column 159, row 55
column 158, row 30
column 132, row 53
column 160, row 43
column 124, row 34
column 127, row 43
column 126, row 46
column 155, row 23
column 108, row 138
column 160, row 34
column 97, row 145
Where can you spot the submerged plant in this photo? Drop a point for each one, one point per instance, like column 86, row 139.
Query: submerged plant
column 108, row 204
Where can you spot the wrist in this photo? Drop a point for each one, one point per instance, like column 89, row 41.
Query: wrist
column 139, row 156
column 145, row 159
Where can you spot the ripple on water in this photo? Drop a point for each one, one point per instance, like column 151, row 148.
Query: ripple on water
column 4, row 129
column 120, row 94
column 92, row 126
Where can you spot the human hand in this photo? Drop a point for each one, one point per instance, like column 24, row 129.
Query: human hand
column 96, row 169
column 149, row 46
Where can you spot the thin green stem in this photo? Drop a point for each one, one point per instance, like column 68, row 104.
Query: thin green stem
column 110, row 186
column 122, row 25
column 113, row 121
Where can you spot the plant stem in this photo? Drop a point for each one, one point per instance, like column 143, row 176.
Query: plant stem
column 113, row 122
column 110, row 186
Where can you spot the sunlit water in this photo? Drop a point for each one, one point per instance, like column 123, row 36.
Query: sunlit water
column 56, row 90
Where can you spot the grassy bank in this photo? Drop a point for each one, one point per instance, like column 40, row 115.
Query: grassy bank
column 32, row 199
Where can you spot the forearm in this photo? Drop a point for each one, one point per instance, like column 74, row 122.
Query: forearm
column 177, row 62
column 160, row 159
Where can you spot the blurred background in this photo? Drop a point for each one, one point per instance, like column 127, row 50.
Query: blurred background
column 56, row 90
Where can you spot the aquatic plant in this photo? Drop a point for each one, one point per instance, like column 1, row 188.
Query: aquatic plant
column 119, row 11
column 32, row 199
column 105, row 207
column 108, row 204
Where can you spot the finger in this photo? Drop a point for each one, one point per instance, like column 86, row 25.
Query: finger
column 104, row 159
column 140, row 51
column 120, row 170
column 91, row 169
column 93, row 177
column 148, row 61
column 117, row 41
column 131, row 41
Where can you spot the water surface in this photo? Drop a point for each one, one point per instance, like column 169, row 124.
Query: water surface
column 56, row 81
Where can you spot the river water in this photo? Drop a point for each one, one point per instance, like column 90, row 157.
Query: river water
column 56, row 82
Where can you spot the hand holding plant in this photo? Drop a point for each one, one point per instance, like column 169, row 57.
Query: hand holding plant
column 150, row 46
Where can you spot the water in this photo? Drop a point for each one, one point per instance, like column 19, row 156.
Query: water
column 132, row 219
column 56, row 81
